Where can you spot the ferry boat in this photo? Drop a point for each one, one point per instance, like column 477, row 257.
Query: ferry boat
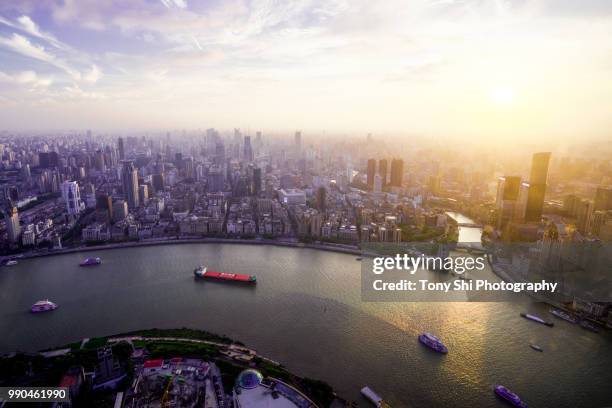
column 12, row 262
column 43, row 306
column 373, row 397
column 563, row 315
column 509, row 396
column 433, row 343
column 537, row 319
column 91, row 261
column 536, row 347
column 202, row 272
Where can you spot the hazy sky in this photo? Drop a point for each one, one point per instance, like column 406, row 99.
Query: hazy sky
column 515, row 70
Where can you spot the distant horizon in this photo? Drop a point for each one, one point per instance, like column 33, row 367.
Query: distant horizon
column 602, row 144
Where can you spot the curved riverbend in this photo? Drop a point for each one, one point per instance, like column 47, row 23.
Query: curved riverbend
column 306, row 312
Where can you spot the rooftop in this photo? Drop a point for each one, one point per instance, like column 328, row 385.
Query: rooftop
column 153, row 363
column 253, row 391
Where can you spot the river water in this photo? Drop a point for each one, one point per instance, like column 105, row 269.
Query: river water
column 306, row 312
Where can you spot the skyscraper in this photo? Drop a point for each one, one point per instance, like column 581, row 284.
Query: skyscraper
column 216, row 181
column 298, row 141
column 521, row 202
column 104, row 208
column 129, row 178
column 188, row 167
column 99, row 161
column 158, row 182
column 248, row 149
column 537, row 186
column 603, row 199
column 371, row 173
column 397, row 172
column 25, row 172
column 48, row 160
column 584, row 214
column 508, row 188
column 13, row 228
column 256, row 187
column 72, row 196
column 433, row 185
column 219, row 154
column 120, row 210
column 258, row 141
column 121, row 148
column 143, row 193
column 321, row 199
column 382, row 170
column 378, row 183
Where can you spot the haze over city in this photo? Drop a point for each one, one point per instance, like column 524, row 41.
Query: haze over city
column 306, row 203
column 503, row 70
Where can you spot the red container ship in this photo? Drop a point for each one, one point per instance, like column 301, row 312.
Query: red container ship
column 202, row 272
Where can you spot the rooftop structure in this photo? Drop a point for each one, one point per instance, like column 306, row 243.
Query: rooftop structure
column 253, row 391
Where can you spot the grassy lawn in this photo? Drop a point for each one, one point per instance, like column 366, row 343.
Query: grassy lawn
column 184, row 333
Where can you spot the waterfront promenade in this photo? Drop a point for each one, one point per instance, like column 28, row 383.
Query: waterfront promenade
column 341, row 248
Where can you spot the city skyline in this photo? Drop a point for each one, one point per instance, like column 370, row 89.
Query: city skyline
column 264, row 203
column 498, row 70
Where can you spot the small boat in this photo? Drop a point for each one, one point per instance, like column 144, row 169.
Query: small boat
column 508, row 396
column 91, row 261
column 536, row 347
column 358, row 258
column 563, row 315
column 589, row 326
column 433, row 343
column 373, row 397
column 202, row 272
column 43, row 306
column 537, row 319
column 12, row 262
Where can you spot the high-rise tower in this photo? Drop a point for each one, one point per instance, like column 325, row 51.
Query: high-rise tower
column 537, row 186
column 72, row 196
column 129, row 179
column 121, row 148
column 382, row 170
column 371, row 173
column 397, row 172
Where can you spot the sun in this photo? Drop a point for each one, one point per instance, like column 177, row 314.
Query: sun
column 502, row 95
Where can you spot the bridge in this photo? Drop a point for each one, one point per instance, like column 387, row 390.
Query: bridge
column 469, row 225
column 471, row 247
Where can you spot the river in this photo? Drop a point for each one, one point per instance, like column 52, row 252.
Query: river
column 306, row 312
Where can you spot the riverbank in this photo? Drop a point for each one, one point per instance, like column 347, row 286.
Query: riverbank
column 501, row 272
column 131, row 349
column 339, row 248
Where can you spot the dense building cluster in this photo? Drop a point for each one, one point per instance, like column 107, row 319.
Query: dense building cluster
column 64, row 190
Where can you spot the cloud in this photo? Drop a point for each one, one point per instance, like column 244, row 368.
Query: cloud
column 174, row 3
column 26, row 25
column 75, row 92
column 93, row 75
column 197, row 43
column 157, row 75
column 29, row 26
column 22, row 45
column 28, row 78
column 333, row 56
